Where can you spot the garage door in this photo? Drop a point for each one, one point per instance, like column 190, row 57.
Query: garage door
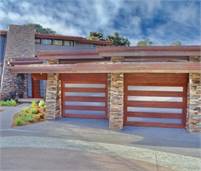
column 84, row 95
column 158, row 100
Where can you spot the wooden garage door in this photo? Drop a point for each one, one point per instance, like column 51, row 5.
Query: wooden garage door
column 157, row 100
column 84, row 95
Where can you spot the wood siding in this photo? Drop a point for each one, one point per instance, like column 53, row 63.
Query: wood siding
column 84, row 95
column 158, row 100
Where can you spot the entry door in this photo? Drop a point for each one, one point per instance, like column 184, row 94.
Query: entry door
column 84, row 95
column 158, row 100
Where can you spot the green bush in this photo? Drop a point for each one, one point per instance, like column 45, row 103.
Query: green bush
column 42, row 104
column 19, row 121
column 34, row 110
column 8, row 103
column 33, row 104
column 26, row 110
column 23, row 118
column 29, row 114
column 27, row 117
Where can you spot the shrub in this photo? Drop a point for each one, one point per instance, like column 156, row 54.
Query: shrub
column 33, row 104
column 34, row 110
column 19, row 121
column 27, row 117
column 12, row 102
column 33, row 113
column 8, row 102
column 42, row 104
column 26, row 110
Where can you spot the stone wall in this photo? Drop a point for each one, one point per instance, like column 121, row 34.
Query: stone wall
column 20, row 43
column 116, row 106
column 194, row 100
column 52, row 97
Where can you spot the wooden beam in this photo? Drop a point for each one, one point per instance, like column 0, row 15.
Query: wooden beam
column 83, row 54
column 137, row 67
column 151, row 53
column 149, row 48
column 26, row 62
column 100, row 52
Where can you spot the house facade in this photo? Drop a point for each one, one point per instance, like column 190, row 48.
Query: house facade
column 157, row 86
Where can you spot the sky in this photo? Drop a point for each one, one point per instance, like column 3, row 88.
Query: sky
column 161, row 21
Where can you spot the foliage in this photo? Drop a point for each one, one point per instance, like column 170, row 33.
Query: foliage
column 115, row 38
column 34, row 113
column 8, row 102
column 145, row 42
column 33, row 104
column 118, row 40
column 18, row 121
column 41, row 29
column 96, row 36
column 34, row 110
column 41, row 104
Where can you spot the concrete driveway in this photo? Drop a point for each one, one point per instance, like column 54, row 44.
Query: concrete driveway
column 81, row 144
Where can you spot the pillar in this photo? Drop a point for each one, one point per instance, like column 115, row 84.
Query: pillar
column 116, row 98
column 194, row 100
column 52, row 97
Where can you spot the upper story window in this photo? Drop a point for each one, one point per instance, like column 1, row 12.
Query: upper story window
column 58, row 42
column 37, row 41
column 46, row 41
column 68, row 43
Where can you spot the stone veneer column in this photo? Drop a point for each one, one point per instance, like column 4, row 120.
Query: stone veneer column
column 52, row 96
column 194, row 100
column 20, row 43
column 116, row 98
column 116, row 105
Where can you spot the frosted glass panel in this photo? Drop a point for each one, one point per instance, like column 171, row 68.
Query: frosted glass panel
column 155, row 98
column 85, row 94
column 154, row 110
column 84, row 85
column 156, row 88
column 77, row 103
column 86, row 112
column 161, row 120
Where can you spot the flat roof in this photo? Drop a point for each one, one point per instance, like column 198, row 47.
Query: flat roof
column 133, row 51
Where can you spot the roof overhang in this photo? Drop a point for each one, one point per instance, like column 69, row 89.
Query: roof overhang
column 101, row 52
column 150, row 51
column 137, row 67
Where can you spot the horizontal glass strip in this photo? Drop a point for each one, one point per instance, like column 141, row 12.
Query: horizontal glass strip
column 154, row 110
column 77, row 103
column 155, row 98
column 85, row 112
column 84, row 85
column 85, row 94
column 151, row 120
column 156, row 88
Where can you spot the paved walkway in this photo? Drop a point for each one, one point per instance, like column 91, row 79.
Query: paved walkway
column 79, row 144
column 7, row 114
